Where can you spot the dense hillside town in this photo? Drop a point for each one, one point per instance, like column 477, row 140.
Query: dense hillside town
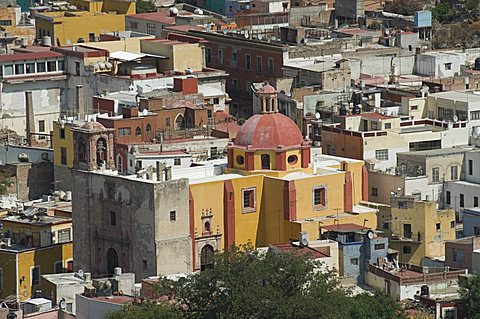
column 239, row 159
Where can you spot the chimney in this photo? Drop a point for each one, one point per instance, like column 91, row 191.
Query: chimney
column 80, row 102
column 30, row 117
column 188, row 85
column 159, row 173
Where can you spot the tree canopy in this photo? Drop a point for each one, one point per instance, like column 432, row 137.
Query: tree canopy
column 470, row 293
column 242, row 283
column 145, row 6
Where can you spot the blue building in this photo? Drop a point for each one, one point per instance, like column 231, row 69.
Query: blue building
column 358, row 247
column 471, row 222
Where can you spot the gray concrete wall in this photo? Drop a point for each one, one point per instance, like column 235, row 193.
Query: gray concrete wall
column 9, row 153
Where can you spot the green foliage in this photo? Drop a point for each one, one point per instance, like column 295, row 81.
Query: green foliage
column 444, row 12
column 405, row 7
column 145, row 6
column 244, row 283
column 5, row 182
column 472, row 4
column 146, row 310
column 470, row 293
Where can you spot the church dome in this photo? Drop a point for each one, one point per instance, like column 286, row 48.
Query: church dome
column 267, row 89
column 93, row 126
column 269, row 131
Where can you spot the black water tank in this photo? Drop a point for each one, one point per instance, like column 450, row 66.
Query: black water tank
column 343, row 110
column 424, row 290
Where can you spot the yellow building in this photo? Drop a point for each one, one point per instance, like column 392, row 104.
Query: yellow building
column 90, row 19
column 12, row 22
column 34, row 244
column 271, row 191
column 417, row 229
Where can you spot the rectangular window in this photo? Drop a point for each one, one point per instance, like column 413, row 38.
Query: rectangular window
column 8, row 69
column 454, row 172
column 133, row 25
column 63, row 155
column 381, row 155
column 234, row 61
column 407, row 249
column 248, row 200
column 77, row 68
column 414, row 107
column 220, row 57
column 271, row 66
column 388, row 126
column 64, row 235
column 52, row 66
column 354, row 261
column 41, row 67
column 70, row 266
column 374, row 191
column 113, row 218
column 20, row 68
column 475, row 201
column 470, row 167
column 407, row 230
column 437, row 226
column 448, row 66
column 248, row 62
column 30, row 67
column 259, row 64
column 167, row 121
column 36, row 276
column 61, row 133
column 458, row 255
column 58, row 267
column 216, row 100
column 173, row 215
column 435, row 174
column 448, row 198
column 61, row 65
column 1, row 279
column 379, row 246
column 177, row 161
column 5, row 23
column 475, row 115
column 476, row 230
column 124, row 131
column 144, row 263
column 462, row 200
column 151, row 28
column 41, row 126
column 452, row 224
column 208, row 55
column 319, row 197
column 332, row 149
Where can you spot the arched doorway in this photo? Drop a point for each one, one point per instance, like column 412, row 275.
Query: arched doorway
column 112, row 260
column 180, row 122
column 206, row 254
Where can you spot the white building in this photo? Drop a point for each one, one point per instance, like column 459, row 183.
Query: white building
column 139, row 160
column 440, row 64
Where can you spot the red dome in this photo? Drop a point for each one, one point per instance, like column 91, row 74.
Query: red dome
column 267, row 89
column 94, row 126
column 268, row 131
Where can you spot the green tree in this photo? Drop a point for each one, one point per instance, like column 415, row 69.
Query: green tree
column 470, row 293
column 380, row 306
column 146, row 310
column 145, row 6
column 5, row 182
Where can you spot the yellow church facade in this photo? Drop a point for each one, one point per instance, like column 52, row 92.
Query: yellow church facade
column 271, row 190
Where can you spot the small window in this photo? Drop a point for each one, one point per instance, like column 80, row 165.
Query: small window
column 292, row 159
column 271, row 66
column 265, row 159
column 8, row 69
column 151, row 28
column 248, row 200
column 63, row 155
column 138, row 131
column 124, row 131
column 448, row 198
column 437, row 226
column 61, row 65
column 452, row 224
column 385, row 225
column 113, row 218
column 435, row 174
column 476, row 230
column 379, row 246
column 62, row 133
column 41, row 67
column 177, row 161
column 41, row 126
column 167, row 121
column 332, row 149
column 475, row 201
column 64, row 235
column 374, row 191
column 462, row 200
column 319, row 197
column 148, row 128
column 70, row 266
column 173, row 215
column 248, row 62
column 381, row 155
column 407, row 249
column 354, row 261
column 77, row 68
column 259, row 64
column 36, row 276
column 144, row 263
column 388, row 126
column 58, row 267
column 470, row 167
column 414, row 107
column 220, row 57
column 5, row 23
column 30, row 67
column 454, row 172
column 240, row 160
column 20, row 68
column 448, row 66
column 208, row 53
column 52, row 66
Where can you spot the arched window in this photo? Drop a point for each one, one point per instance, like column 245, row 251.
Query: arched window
column 207, row 227
column 119, row 163
column 206, row 254
column 148, row 128
column 179, row 122
column 112, row 260
column 82, row 150
column 138, row 131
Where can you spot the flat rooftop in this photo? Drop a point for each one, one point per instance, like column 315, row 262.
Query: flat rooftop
column 437, row 152
column 459, row 96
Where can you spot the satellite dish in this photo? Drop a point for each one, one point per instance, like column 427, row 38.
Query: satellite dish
column 80, row 273
column 370, row 234
column 455, row 118
column 304, row 241
column 318, row 116
column 259, row 37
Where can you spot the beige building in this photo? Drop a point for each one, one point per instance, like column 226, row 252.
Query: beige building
column 416, row 228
